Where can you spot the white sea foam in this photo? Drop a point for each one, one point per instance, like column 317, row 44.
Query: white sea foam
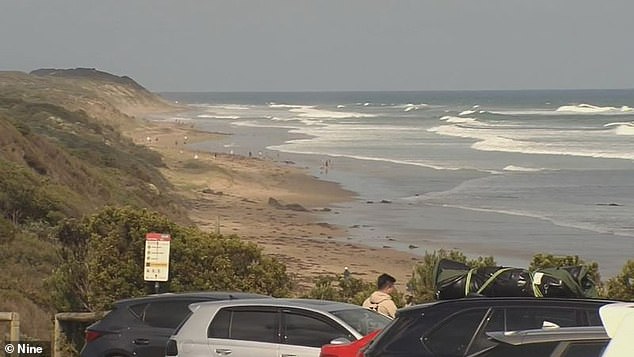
column 288, row 147
column 254, row 124
column 215, row 116
column 458, row 120
column 312, row 112
column 622, row 128
column 234, row 107
column 521, row 169
column 580, row 109
column 274, row 105
column 341, row 106
column 409, row 107
column 625, row 130
column 527, row 141
column 467, row 112
column 282, row 119
column 592, row 109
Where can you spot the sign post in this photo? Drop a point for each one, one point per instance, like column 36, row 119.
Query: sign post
column 157, row 258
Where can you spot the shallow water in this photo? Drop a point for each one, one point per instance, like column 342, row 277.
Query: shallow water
column 508, row 174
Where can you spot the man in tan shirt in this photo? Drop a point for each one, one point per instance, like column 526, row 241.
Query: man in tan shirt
column 380, row 300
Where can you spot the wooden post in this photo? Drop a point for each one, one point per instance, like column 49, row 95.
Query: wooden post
column 14, row 324
column 217, row 225
column 57, row 339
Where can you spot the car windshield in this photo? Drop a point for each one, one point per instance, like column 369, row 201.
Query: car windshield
column 362, row 320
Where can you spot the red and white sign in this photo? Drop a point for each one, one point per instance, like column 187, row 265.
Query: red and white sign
column 157, row 257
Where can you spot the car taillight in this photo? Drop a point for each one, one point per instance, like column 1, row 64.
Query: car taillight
column 171, row 349
column 92, row 335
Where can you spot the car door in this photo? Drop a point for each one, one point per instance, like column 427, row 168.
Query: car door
column 244, row 332
column 160, row 319
column 304, row 332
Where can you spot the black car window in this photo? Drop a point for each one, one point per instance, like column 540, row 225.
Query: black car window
column 403, row 336
column 585, row 349
column 453, row 336
column 494, row 321
column 219, row 327
column 362, row 320
column 311, row 331
column 594, row 319
column 534, row 317
column 254, row 325
column 138, row 310
column 167, row 314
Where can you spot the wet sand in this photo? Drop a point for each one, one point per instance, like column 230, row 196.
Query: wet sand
column 275, row 204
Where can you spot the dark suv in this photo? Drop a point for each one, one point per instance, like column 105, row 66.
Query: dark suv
column 463, row 327
column 140, row 327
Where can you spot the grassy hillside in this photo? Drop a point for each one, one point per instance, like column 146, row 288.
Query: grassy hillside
column 62, row 155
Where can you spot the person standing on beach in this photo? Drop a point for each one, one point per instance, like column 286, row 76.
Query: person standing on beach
column 381, row 300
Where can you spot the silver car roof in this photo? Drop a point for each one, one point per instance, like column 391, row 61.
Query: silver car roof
column 550, row 335
column 309, row 304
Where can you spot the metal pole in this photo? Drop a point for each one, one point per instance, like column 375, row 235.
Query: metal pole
column 156, row 287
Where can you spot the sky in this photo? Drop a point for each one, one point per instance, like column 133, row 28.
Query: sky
column 328, row 45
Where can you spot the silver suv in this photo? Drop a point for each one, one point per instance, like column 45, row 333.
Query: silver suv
column 270, row 328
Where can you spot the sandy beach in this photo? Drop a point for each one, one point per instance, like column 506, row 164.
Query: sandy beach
column 275, row 204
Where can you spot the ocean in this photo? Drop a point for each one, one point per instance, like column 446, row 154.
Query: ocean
column 502, row 173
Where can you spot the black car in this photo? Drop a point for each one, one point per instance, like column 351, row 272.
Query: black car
column 140, row 327
column 461, row 327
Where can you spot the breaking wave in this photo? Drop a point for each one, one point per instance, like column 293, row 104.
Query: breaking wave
column 622, row 128
column 593, row 109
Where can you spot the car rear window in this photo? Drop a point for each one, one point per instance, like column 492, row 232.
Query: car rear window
column 138, row 310
column 167, row 314
column 362, row 320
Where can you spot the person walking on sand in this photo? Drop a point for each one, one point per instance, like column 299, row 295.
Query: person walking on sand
column 380, row 300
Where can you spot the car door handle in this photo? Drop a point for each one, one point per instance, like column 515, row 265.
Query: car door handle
column 223, row 351
column 288, row 355
column 141, row 341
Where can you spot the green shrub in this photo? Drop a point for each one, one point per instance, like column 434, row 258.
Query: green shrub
column 621, row 287
column 103, row 258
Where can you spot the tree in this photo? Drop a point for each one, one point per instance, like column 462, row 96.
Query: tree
column 103, row 258
column 621, row 287
column 336, row 287
column 422, row 286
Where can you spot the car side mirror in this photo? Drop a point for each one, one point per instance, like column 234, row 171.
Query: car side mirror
column 340, row 341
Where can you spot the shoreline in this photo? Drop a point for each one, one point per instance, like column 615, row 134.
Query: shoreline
column 274, row 204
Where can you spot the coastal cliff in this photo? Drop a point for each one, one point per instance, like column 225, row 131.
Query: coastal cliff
column 63, row 155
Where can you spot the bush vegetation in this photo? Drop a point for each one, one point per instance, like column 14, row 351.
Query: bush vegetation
column 102, row 260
